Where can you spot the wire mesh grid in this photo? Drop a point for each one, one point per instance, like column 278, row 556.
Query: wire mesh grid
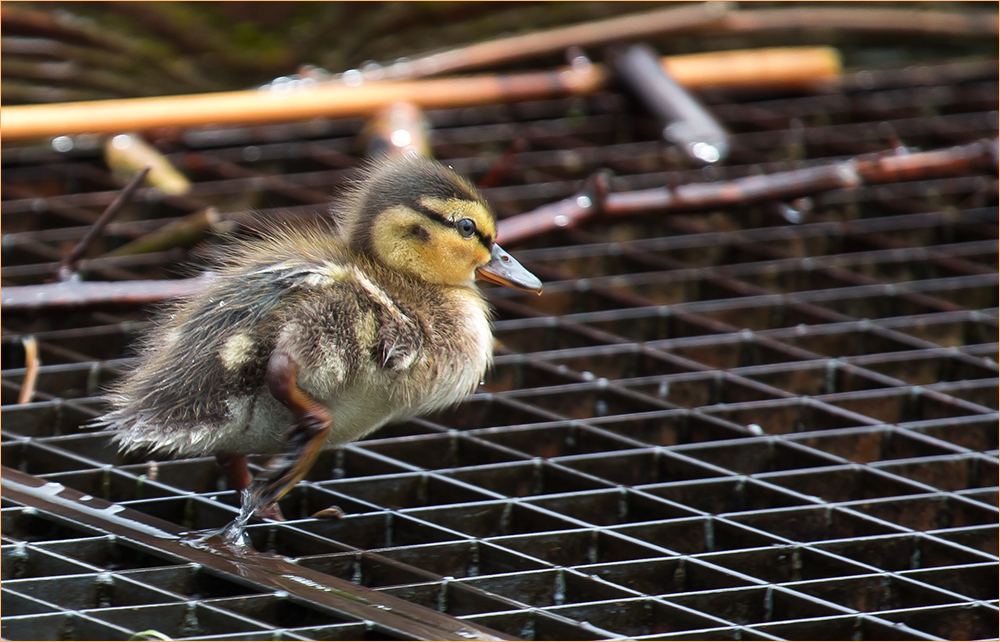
column 718, row 425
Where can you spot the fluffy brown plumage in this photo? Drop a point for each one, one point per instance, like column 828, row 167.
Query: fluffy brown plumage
column 380, row 312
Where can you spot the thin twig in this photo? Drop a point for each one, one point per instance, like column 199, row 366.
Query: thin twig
column 857, row 19
column 683, row 119
column 68, row 265
column 31, row 364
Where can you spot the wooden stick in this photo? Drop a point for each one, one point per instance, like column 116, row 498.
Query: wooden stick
column 31, row 364
column 868, row 169
column 784, row 67
column 566, row 214
column 396, row 129
column 888, row 21
column 710, row 17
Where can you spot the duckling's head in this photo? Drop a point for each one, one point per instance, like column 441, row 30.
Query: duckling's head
column 418, row 217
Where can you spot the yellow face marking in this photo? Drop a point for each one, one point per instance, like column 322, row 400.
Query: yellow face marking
column 236, row 351
column 455, row 209
column 440, row 256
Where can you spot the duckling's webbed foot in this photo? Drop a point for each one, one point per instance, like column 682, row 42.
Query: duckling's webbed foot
column 304, row 439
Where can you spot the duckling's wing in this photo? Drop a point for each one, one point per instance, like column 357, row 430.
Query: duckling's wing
column 203, row 356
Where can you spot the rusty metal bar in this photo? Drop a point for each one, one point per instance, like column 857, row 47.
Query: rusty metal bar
column 243, row 565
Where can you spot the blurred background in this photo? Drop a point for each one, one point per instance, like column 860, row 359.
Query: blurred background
column 63, row 51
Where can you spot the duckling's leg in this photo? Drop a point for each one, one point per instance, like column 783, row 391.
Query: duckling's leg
column 239, row 477
column 235, row 468
column 304, row 439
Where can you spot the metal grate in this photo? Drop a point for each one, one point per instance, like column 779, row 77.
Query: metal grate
column 719, row 425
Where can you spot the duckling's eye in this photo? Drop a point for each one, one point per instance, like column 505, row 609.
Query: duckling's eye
column 466, row 227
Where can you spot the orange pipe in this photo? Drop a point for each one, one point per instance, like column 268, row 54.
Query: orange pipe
column 793, row 66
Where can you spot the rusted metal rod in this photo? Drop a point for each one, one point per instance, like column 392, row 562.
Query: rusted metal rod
column 246, row 567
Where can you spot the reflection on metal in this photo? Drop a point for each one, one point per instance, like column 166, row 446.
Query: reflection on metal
column 378, row 611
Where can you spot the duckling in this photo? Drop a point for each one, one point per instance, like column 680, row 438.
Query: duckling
column 316, row 336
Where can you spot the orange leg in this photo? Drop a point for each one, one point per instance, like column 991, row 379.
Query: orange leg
column 239, row 477
column 304, row 440
column 235, row 468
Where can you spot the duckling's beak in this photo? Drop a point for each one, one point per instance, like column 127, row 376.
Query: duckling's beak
column 504, row 270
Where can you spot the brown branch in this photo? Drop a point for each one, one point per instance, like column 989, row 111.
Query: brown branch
column 501, row 51
column 68, row 265
column 564, row 214
column 31, row 364
column 571, row 212
column 17, row 19
column 889, row 21
column 128, row 52
column 710, row 17
column 868, row 169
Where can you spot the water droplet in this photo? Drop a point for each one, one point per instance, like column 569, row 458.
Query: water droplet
column 352, row 78
column 706, row 152
column 122, row 141
column 62, row 143
column 400, row 138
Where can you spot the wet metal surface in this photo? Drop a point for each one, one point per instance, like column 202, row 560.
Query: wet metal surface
column 775, row 421
column 333, row 596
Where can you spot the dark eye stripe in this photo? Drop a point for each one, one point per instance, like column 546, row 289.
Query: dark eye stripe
column 434, row 216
